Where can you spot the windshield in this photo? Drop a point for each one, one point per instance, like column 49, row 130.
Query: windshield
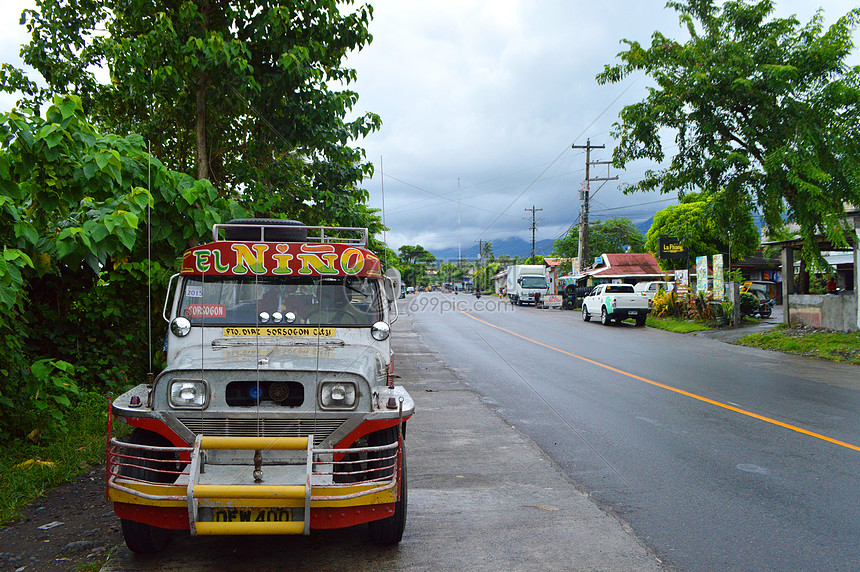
column 534, row 282
column 281, row 301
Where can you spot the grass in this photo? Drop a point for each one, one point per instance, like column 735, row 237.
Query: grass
column 832, row 346
column 676, row 325
column 28, row 470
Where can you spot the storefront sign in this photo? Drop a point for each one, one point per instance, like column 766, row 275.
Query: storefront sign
column 669, row 248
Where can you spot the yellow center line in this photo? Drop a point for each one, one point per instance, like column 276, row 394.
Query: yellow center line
column 675, row 389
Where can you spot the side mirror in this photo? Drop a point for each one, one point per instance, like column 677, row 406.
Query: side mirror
column 392, row 284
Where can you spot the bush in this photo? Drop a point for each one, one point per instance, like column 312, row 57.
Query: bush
column 749, row 304
column 685, row 307
column 663, row 305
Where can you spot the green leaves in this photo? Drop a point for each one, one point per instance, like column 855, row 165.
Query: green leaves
column 758, row 107
column 247, row 95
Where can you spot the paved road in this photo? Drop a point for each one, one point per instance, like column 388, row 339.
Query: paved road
column 481, row 497
column 718, row 456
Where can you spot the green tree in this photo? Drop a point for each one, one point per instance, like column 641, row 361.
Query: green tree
column 610, row 235
column 702, row 232
column 74, row 214
column 413, row 260
column 486, row 253
column 240, row 93
column 763, row 109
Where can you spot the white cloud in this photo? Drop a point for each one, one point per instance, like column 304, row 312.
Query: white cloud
column 491, row 92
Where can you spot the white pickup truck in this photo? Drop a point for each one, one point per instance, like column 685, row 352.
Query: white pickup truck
column 615, row 302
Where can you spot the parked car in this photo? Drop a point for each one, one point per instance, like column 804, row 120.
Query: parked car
column 650, row 289
column 613, row 303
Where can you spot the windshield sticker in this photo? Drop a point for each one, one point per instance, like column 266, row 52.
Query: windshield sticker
column 280, row 259
column 205, row 310
column 278, row 332
column 193, row 291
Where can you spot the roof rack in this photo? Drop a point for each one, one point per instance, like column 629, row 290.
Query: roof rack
column 321, row 234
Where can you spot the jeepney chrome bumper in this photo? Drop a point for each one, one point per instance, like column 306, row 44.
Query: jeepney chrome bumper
column 215, row 477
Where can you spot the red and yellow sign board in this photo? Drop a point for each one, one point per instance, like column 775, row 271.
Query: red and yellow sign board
column 280, row 259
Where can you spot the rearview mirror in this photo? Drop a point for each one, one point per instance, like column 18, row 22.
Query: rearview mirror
column 392, row 284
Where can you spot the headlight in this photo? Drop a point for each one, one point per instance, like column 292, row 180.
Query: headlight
column 180, row 327
column 185, row 393
column 338, row 395
column 380, row 331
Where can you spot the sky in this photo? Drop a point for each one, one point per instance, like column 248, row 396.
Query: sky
column 481, row 101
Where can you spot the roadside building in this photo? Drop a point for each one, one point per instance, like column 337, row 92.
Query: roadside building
column 554, row 271
column 500, row 281
column 626, row 268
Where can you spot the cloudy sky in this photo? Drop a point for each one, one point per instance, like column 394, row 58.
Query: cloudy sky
column 481, row 101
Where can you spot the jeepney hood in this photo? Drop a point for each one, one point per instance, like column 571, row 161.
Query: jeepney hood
column 362, row 360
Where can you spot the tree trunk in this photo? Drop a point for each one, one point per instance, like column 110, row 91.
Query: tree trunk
column 200, row 128
column 803, row 279
column 200, row 111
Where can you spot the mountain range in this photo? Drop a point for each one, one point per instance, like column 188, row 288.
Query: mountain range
column 514, row 246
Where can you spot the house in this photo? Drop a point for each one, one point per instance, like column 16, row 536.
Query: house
column 554, row 270
column 500, row 281
column 626, row 267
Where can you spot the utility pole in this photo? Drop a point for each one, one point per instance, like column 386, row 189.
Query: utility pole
column 534, row 226
column 459, row 241
column 480, row 260
column 584, row 197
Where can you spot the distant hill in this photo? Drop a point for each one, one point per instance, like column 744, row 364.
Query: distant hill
column 645, row 226
column 510, row 246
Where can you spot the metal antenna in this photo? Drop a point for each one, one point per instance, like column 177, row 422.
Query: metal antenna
column 149, row 250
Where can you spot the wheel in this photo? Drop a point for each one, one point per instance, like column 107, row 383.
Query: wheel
column 765, row 312
column 604, row 317
column 585, row 315
column 139, row 537
column 388, row 531
column 640, row 320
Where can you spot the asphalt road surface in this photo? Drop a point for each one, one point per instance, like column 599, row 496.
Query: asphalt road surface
column 717, row 456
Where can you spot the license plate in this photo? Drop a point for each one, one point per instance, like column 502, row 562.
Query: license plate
column 252, row 515
column 633, row 312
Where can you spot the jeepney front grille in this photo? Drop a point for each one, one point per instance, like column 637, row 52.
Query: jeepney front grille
column 232, row 427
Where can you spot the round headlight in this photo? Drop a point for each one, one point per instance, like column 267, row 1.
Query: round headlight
column 277, row 317
column 380, row 331
column 180, row 327
column 264, row 317
column 290, row 317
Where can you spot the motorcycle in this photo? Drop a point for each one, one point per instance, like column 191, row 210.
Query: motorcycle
column 766, row 304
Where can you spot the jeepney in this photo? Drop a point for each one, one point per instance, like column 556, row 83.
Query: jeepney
column 277, row 411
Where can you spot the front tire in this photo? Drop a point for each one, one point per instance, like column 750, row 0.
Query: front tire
column 139, row 537
column 585, row 316
column 389, row 531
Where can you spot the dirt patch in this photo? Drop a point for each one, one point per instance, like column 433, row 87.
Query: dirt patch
column 87, row 532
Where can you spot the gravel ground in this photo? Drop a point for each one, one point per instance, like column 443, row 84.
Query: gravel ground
column 70, row 528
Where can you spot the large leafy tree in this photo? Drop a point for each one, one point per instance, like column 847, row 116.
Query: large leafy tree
column 413, row 261
column 238, row 92
column 704, row 226
column 610, row 235
column 763, row 109
column 76, row 207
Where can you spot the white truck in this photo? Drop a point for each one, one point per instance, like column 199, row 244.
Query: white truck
column 527, row 283
column 615, row 302
column 650, row 289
